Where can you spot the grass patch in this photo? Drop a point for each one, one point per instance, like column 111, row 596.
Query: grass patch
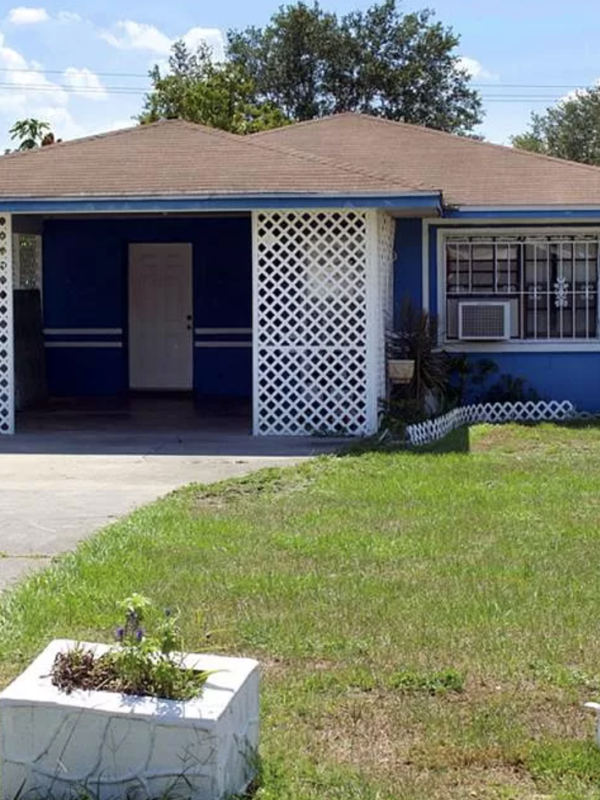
column 448, row 680
column 558, row 762
column 427, row 622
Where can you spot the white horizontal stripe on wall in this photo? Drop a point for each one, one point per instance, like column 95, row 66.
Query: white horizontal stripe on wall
column 223, row 344
column 223, row 330
column 83, row 344
column 82, row 331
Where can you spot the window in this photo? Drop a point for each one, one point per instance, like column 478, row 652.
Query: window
column 549, row 282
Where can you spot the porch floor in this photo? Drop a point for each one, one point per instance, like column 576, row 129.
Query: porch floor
column 148, row 425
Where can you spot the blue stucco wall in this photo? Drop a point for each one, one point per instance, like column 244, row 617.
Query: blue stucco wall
column 560, row 375
column 554, row 376
column 85, row 286
column 408, row 247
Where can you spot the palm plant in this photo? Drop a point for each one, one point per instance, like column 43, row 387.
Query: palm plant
column 30, row 133
column 417, row 339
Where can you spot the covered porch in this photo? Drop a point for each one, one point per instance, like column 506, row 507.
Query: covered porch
column 274, row 318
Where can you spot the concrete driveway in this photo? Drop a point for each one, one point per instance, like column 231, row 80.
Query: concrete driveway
column 56, row 487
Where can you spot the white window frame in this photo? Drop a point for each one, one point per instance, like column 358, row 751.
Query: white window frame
column 514, row 345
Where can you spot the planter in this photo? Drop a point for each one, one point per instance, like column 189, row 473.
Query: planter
column 401, row 370
column 54, row 744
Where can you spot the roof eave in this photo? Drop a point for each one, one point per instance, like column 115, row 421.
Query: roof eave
column 421, row 203
column 523, row 212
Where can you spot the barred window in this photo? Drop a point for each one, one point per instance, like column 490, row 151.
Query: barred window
column 550, row 282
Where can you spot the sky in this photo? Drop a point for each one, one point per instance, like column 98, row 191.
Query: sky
column 82, row 65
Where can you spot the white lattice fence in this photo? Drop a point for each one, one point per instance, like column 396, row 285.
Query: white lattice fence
column 434, row 429
column 310, row 310
column 7, row 419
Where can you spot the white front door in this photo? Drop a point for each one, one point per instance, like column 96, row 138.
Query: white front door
column 160, row 316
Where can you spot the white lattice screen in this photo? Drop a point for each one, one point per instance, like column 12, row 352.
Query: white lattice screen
column 311, row 359
column 7, row 418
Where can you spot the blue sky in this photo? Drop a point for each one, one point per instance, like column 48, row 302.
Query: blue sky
column 75, row 43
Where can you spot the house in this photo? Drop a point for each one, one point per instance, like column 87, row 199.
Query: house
column 269, row 267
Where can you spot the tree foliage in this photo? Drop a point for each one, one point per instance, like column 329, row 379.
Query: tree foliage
column 309, row 63
column 570, row 129
column 196, row 89
column 31, row 133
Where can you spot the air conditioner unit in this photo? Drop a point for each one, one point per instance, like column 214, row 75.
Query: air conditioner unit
column 484, row 320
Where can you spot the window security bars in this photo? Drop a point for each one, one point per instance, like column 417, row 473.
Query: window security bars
column 551, row 282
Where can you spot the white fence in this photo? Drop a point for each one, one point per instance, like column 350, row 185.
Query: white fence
column 434, row 429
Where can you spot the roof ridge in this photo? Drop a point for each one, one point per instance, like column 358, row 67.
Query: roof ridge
column 90, row 138
column 330, row 162
column 119, row 132
column 565, row 162
column 306, row 122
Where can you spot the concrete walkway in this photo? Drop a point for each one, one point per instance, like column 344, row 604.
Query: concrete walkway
column 57, row 487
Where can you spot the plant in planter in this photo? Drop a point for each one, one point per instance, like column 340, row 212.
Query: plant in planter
column 134, row 720
column 416, row 343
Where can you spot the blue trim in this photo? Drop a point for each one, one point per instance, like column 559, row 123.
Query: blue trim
column 562, row 214
column 61, row 205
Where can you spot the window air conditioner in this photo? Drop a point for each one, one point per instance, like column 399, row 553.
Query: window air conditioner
column 484, row 320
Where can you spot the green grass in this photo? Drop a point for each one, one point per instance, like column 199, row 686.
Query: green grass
column 428, row 624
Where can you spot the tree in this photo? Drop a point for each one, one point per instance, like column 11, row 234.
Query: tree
column 31, row 133
column 310, row 63
column 570, row 129
column 196, row 89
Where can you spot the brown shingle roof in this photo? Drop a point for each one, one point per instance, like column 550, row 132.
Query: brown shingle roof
column 344, row 154
column 177, row 158
column 467, row 171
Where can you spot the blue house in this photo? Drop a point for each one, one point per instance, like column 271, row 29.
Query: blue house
column 269, row 268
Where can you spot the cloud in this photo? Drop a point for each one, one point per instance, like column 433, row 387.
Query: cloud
column 69, row 16
column 130, row 35
column 25, row 15
column 137, row 36
column 210, row 36
column 475, row 69
column 61, row 122
column 25, row 89
column 84, row 82
column 578, row 92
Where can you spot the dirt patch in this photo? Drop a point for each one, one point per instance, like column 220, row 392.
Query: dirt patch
column 265, row 483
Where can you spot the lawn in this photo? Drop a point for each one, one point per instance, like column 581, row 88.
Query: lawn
column 428, row 625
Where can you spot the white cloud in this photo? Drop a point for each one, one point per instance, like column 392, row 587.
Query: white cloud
column 130, row 35
column 210, row 36
column 579, row 92
column 25, row 15
column 84, row 82
column 61, row 121
column 69, row 16
column 475, row 69
column 137, row 36
column 25, row 89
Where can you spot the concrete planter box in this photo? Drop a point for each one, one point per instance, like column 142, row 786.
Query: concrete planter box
column 53, row 744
